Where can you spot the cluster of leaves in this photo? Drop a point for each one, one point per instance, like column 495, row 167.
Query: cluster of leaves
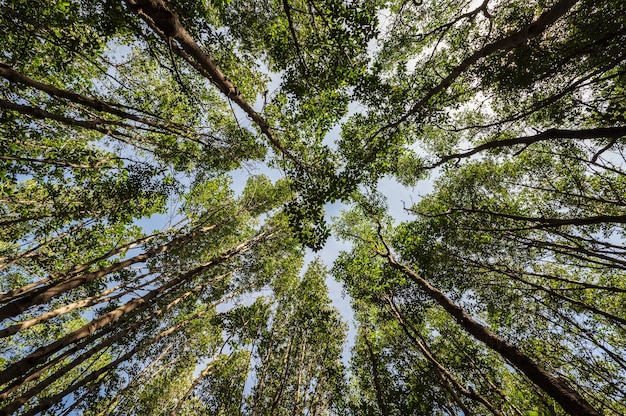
column 504, row 294
column 518, row 251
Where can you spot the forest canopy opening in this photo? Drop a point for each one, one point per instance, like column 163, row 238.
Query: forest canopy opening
column 503, row 293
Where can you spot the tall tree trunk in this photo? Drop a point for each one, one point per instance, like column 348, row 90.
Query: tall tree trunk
column 207, row 370
column 44, row 294
column 45, row 404
column 41, row 354
column 167, row 25
column 382, row 406
column 83, row 303
column 441, row 371
column 299, row 380
column 26, row 289
column 558, row 389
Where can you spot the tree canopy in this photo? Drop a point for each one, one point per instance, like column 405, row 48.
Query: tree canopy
column 165, row 170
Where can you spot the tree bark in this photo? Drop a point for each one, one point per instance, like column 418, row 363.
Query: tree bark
column 41, row 354
column 570, row 400
column 44, row 294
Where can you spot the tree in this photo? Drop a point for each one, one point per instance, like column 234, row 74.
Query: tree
column 386, row 276
column 522, row 234
column 503, row 294
column 299, row 371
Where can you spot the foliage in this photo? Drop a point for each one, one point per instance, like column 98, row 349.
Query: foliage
column 151, row 263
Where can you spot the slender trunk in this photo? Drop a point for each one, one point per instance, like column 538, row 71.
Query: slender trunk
column 115, row 109
column 485, row 377
column 319, row 387
column 34, row 373
column 299, row 382
column 116, row 337
column 45, row 404
column 41, row 354
column 32, row 252
column 542, row 222
column 551, row 134
column 382, row 406
column 286, row 364
column 511, row 41
column 44, row 294
column 261, row 385
column 167, row 25
column 569, row 399
column 90, row 353
column 207, row 370
column 60, row 163
column 441, row 371
column 26, row 290
column 587, row 334
column 132, row 383
column 87, row 302
column 100, row 125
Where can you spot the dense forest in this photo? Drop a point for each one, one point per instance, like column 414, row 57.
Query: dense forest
column 166, row 166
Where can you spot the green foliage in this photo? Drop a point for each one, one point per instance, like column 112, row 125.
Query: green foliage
column 121, row 116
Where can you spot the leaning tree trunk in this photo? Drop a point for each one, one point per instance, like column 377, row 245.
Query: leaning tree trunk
column 569, row 399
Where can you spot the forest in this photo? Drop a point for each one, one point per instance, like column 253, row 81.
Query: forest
column 170, row 168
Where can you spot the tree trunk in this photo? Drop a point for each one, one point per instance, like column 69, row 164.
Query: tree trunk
column 44, row 294
column 41, row 354
column 441, row 371
column 382, row 406
column 569, row 399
